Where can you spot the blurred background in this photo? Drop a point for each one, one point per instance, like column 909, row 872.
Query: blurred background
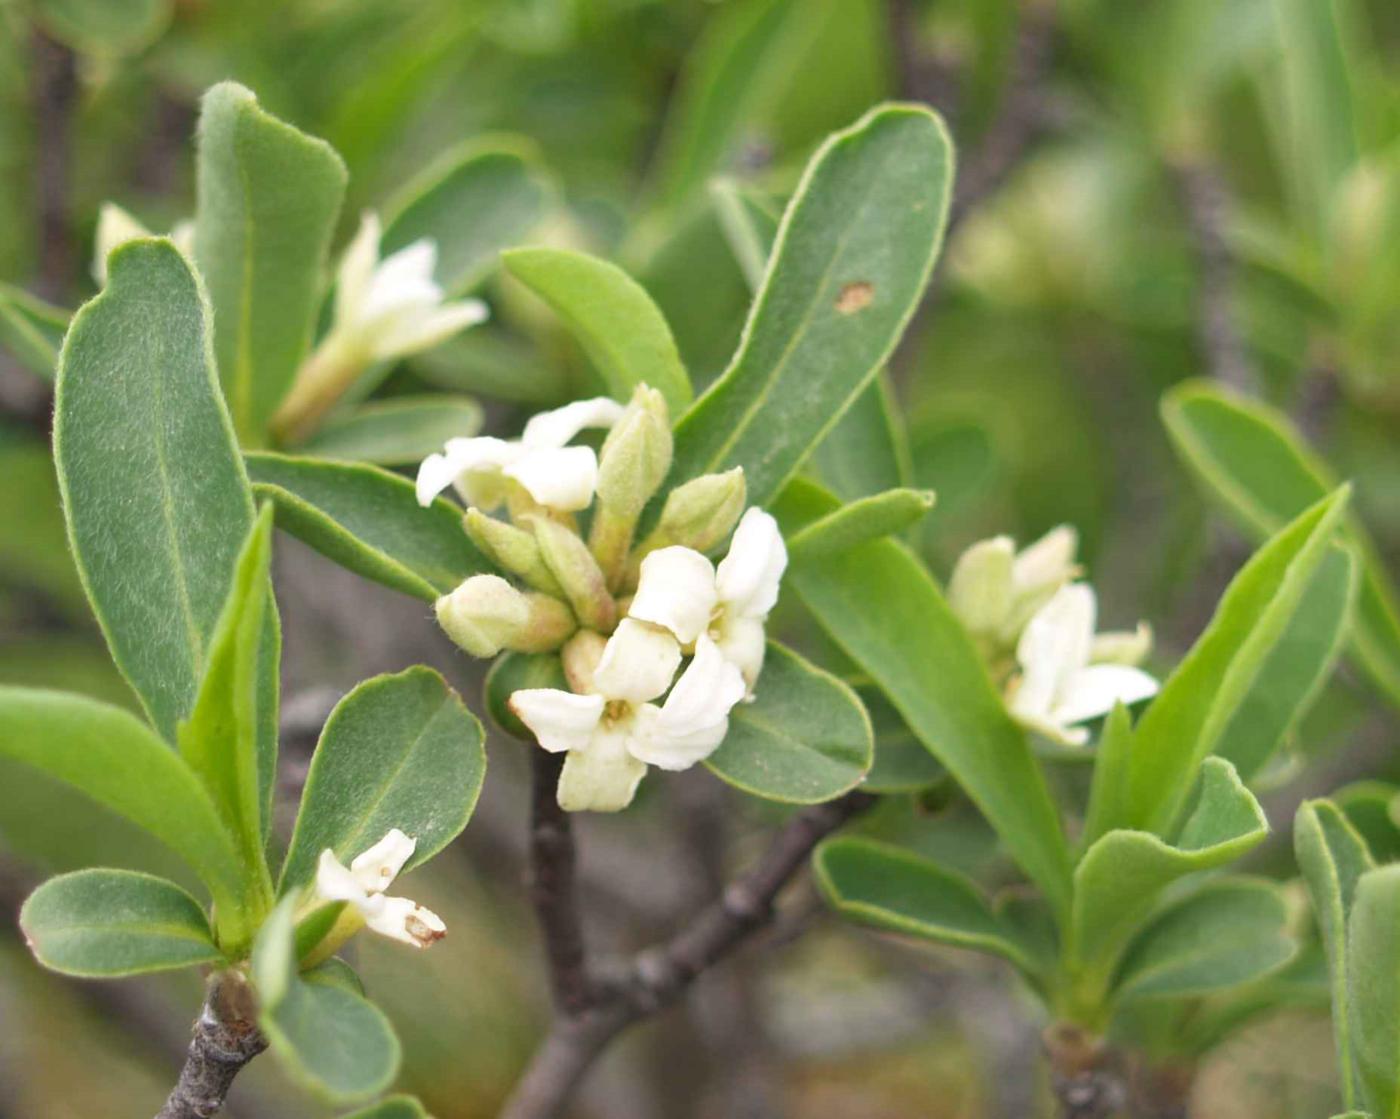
column 1147, row 190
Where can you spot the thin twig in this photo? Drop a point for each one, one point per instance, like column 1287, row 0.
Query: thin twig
column 226, row 1038
column 53, row 96
column 552, row 886
column 658, row 976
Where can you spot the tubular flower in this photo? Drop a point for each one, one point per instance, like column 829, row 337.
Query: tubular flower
column 612, row 731
column 362, row 886
column 555, row 475
column 994, row 590
column 683, row 592
column 1067, row 675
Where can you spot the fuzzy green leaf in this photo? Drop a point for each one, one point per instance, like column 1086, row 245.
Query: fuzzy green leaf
column 396, row 432
column 268, row 199
column 32, row 330
column 613, row 318
column 101, row 924
column 482, row 197
column 804, row 739
column 400, row 752
column 1373, row 986
column 853, row 255
column 863, row 520
column 368, row 521
column 901, row 765
column 157, row 501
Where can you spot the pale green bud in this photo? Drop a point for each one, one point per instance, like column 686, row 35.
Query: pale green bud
column 578, row 573
column 511, row 549
column 700, row 514
column 1128, row 647
column 979, row 591
column 636, row 455
column 580, row 657
column 486, row 614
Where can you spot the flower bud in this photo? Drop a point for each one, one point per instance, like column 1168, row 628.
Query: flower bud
column 511, row 549
column 699, row 514
column 486, row 615
column 636, row 455
column 1128, row 647
column 578, row 573
column 580, row 657
column 979, row 591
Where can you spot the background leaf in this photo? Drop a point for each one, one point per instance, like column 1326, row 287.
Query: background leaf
column 862, row 520
column 32, row 330
column 1373, row 986
column 396, row 432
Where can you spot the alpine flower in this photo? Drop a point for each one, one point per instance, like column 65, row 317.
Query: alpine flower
column 362, row 886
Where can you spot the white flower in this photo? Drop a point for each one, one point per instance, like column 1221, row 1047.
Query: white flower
column 393, row 307
column 683, row 592
column 116, row 226
column 1061, row 684
column 612, row 732
column 364, row 882
column 994, row 589
column 555, row 475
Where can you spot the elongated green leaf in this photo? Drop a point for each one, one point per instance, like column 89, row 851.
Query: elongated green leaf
column 882, row 608
column 1123, row 873
column 879, row 884
column 1258, row 467
column 482, row 197
column 156, row 498
column 490, row 362
column 863, row 520
column 395, row 1107
column 369, row 522
column 750, row 226
column 1369, row 808
column 100, row 924
column 396, row 432
column 104, row 27
column 1228, row 932
column 1333, row 857
column 1185, row 722
column 853, row 255
column 330, row 1039
column 901, row 765
column 804, row 739
column 615, row 321
column 32, row 330
column 220, row 738
column 397, row 752
column 1373, row 986
column 268, row 199
column 115, row 759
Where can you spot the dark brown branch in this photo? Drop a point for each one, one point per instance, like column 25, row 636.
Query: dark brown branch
column 1086, row 1075
column 552, row 888
column 657, row 977
column 226, row 1038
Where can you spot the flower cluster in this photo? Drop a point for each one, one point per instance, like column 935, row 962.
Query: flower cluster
column 1035, row 626
column 657, row 643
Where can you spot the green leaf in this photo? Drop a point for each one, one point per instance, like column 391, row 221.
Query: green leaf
column 268, row 199
column 32, row 330
column 394, row 1107
column 220, row 740
column 1228, row 932
column 104, row 27
column 1333, row 857
column 400, row 752
column 368, row 521
column 1368, row 806
column 115, row 759
column 902, row 765
column 509, row 674
column 1373, row 985
column 330, row 1039
column 853, row 255
column 879, row 884
column 863, row 520
column 613, row 318
column 804, row 739
column 484, row 196
column 1259, row 469
column 1123, row 873
column 879, row 604
column 395, row 432
column 157, row 501
column 749, row 226
column 1186, row 720
column 488, row 361
column 102, row 924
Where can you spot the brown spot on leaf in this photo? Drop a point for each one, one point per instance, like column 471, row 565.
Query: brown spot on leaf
column 855, row 297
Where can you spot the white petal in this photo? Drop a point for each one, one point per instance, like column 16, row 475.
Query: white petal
column 603, row 778
column 743, row 643
column 748, row 577
column 356, row 268
column 1119, row 647
column 401, row 919
column 182, row 233
column 638, row 664
column 411, row 334
column 979, row 590
column 1049, row 562
column 562, row 478
column 1056, row 732
column 114, row 227
column 460, row 459
column 335, row 882
column 1054, row 645
column 559, row 720
column 677, row 590
column 693, row 720
column 555, row 428
column 375, row 868
column 655, row 744
column 1093, row 691
column 401, row 283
